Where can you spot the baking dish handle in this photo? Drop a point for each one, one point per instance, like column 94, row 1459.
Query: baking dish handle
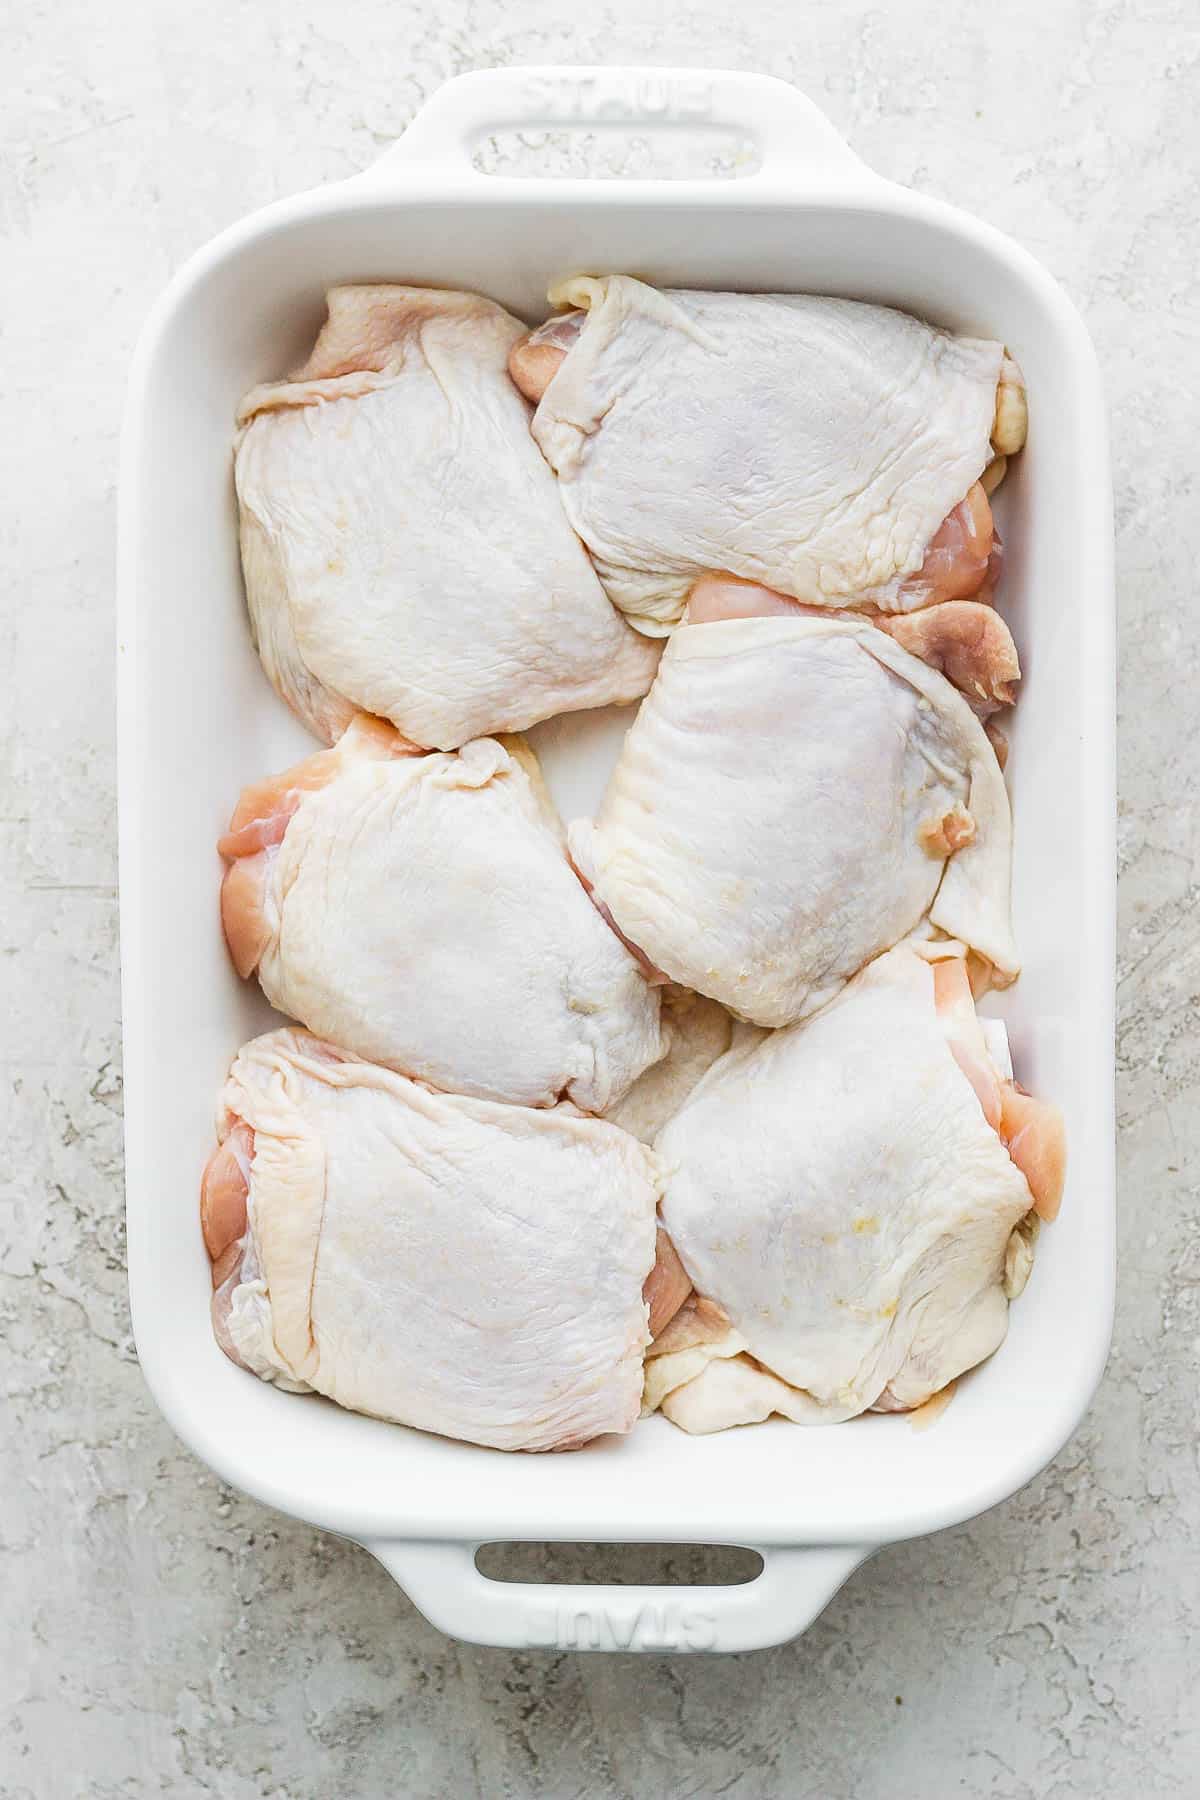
column 796, row 142
column 795, row 1585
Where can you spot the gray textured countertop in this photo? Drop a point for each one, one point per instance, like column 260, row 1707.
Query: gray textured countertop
column 162, row 1635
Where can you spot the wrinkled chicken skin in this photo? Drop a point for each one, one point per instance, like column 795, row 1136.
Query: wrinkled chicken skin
column 700, row 1332
column 404, row 547
column 965, row 640
column 881, row 1210
column 959, row 559
column 650, row 972
column 225, row 1189
column 263, row 810
column 340, row 1267
column 378, row 868
column 843, row 508
column 536, row 358
column 696, row 1031
column 796, row 795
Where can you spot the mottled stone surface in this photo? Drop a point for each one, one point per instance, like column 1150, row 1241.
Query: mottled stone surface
column 161, row 1635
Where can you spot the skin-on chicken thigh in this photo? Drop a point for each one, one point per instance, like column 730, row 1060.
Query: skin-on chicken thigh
column 829, row 449
column 852, row 1199
column 421, row 911
column 404, row 548
column 472, row 1269
column 795, row 796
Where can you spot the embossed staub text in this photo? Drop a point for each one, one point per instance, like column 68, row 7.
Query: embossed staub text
column 595, row 99
column 670, row 1626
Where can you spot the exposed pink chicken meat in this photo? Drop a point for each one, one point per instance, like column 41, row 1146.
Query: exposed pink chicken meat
column 958, row 561
column 667, row 1285
column 966, row 640
column 969, row 643
column 1031, row 1130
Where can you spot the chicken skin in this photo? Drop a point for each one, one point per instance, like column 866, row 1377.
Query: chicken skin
column 404, row 548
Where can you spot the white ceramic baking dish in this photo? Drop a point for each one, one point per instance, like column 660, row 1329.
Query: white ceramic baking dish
column 197, row 719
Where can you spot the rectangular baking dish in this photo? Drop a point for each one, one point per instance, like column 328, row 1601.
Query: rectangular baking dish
column 197, row 720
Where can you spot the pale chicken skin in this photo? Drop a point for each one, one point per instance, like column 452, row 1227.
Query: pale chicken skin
column 421, row 911
column 853, row 1204
column 696, row 1031
column 471, row 1269
column 404, row 548
column 795, row 796
column 965, row 640
column 829, row 449
column 816, row 1186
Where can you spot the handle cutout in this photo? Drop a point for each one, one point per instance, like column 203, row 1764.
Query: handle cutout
column 619, row 1565
column 619, row 151
column 707, row 127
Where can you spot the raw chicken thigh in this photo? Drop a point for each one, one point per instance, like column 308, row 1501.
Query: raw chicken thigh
column 404, row 548
column 421, row 911
column 472, row 1269
column 829, row 449
column 795, row 796
column 851, row 1198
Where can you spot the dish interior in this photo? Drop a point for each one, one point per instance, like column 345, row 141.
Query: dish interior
column 199, row 720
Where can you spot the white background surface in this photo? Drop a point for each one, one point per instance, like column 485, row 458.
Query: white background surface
column 161, row 1635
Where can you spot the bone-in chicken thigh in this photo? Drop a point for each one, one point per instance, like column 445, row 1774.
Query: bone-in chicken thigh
column 421, row 911
column 826, row 448
column 795, row 796
column 851, row 1198
column 404, row 547
column 473, row 1269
